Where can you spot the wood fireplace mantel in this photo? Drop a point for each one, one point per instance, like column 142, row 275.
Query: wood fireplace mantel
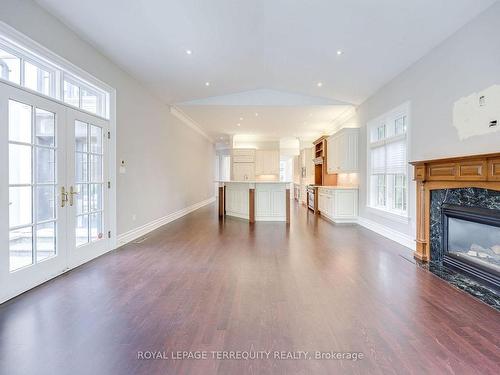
column 479, row 171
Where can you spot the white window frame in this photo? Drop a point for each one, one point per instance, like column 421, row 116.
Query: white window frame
column 29, row 51
column 388, row 210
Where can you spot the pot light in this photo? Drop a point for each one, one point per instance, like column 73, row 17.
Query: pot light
column 319, row 84
column 339, row 52
column 256, row 114
column 241, row 118
column 238, row 124
column 207, row 83
column 189, row 52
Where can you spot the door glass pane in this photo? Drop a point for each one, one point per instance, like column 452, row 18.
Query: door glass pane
column 19, row 164
column 45, row 165
column 95, row 139
column 19, row 122
column 81, row 199
column 20, row 248
column 71, row 94
column 81, row 167
column 45, row 198
column 37, row 78
column 10, row 67
column 19, row 206
column 82, row 230
column 96, row 168
column 80, row 136
column 96, row 226
column 44, row 128
column 95, row 197
column 45, row 241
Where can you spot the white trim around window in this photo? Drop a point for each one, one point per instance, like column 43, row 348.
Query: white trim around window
column 387, row 164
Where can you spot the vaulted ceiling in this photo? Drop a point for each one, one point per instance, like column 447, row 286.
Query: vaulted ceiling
column 341, row 50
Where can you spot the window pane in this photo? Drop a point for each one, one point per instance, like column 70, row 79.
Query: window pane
column 82, row 230
column 95, row 139
column 19, row 122
column 44, row 128
column 10, row 67
column 37, row 79
column 80, row 136
column 81, row 167
column 90, row 100
column 45, row 202
column 71, row 94
column 82, row 201
column 95, row 197
column 20, row 248
column 96, row 227
column 19, row 206
column 19, row 164
column 45, row 241
column 400, row 125
column 96, row 168
column 45, row 165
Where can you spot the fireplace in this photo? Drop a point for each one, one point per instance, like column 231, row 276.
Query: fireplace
column 471, row 242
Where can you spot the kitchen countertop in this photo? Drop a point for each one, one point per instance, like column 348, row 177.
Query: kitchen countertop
column 256, row 182
column 337, row 187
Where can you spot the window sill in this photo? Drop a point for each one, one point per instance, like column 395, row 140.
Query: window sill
column 404, row 219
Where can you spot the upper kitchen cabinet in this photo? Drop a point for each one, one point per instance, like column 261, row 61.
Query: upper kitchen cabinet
column 243, row 155
column 267, row 162
column 342, row 155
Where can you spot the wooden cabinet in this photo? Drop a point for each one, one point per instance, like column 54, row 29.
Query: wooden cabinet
column 243, row 171
column 338, row 205
column 267, row 162
column 342, row 151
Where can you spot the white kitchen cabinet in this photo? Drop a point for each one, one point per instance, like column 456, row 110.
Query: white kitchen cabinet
column 243, row 155
column 342, row 151
column 340, row 205
column 243, row 171
column 267, row 162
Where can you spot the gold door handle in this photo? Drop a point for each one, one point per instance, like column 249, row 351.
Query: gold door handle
column 72, row 193
column 64, row 196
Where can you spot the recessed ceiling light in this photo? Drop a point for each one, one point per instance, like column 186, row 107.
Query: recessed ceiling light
column 241, row 118
column 238, row 124
column 189, row 52
column 256, row 114
column 319, row 84
column 221, row 137
column 339, row 52
column 207, row 83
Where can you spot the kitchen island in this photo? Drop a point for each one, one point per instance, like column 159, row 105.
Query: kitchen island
column 255, row 200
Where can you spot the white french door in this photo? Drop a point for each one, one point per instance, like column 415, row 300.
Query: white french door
column 53, row 195
column 87, row 176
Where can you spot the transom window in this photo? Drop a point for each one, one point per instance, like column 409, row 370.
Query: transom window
column 387, row 161
column 22, row 67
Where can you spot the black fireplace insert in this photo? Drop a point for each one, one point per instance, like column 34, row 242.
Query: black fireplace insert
column 471, row 242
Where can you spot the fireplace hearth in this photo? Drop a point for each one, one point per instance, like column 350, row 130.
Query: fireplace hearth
column 471, row 242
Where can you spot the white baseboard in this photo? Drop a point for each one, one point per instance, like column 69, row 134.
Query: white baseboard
column 390, row 233
column 152, row 225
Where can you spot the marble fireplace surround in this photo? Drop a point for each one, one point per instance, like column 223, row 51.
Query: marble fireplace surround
column 469, row 180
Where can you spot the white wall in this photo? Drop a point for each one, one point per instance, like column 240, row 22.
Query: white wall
column 169, row 166
column 467, row 62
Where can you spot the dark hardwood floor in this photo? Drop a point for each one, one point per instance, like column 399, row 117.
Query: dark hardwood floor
column 198, row 284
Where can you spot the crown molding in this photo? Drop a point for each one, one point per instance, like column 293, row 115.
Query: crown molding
column 186, row 120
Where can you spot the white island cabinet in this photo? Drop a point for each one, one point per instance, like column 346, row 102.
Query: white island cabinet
column 255, row 200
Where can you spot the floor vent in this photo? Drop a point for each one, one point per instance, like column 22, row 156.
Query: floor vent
column 140, row 240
